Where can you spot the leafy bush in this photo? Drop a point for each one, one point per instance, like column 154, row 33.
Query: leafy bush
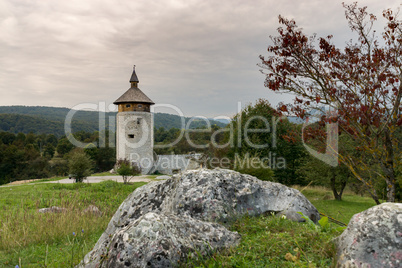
column 127, row 170
column 80, row 165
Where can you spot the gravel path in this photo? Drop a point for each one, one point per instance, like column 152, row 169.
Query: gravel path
column 96, row 179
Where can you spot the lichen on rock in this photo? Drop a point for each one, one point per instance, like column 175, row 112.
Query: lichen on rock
column 160, row 240
column 373, row 238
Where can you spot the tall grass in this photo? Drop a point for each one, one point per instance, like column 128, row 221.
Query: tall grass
column 21, row 226
column 46, row 239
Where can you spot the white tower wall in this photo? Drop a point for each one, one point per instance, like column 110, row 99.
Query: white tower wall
column 135, row 138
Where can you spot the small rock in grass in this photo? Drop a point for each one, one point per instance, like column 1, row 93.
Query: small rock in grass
column 92, row 210
column 52, row 210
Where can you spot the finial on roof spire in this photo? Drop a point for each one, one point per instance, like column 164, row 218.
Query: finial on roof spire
column 134, row 79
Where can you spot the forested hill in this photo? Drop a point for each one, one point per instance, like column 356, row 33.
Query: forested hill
column 17, row 123
column 50, row 120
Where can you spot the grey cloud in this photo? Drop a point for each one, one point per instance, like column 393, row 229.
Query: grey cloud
column 198, row 55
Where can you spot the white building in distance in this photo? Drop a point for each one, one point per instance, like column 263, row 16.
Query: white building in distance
column 135, row 135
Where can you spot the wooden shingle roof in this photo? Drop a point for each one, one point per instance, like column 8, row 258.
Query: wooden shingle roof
column 133, row 94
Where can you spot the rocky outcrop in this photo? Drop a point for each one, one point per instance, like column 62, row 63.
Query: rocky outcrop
column 219, row 195
column 159, row 223
column 160, row 240
column 373, row 238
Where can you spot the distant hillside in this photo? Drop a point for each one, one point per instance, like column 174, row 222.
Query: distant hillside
column 169, row 121
column 50, row 120
column 16, row 123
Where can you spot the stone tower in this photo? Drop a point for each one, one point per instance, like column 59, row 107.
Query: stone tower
column 135, row 126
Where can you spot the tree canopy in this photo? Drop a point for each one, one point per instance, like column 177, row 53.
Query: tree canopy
column 361, row 81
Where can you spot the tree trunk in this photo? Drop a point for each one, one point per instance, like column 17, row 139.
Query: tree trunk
column 343, row 186
column 375, row 196
column 337, row 196
column 388, row 167
column 390, row 188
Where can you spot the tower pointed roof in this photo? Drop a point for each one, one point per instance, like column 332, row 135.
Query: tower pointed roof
column 134, row 94
column 134, row 77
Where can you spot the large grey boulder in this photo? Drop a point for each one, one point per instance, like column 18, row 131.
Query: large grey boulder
column 221, row 195
column 373, row 238
column 160, row 240
column 190, row 201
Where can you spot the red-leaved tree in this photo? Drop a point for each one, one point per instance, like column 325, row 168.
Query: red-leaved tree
column 361, row 80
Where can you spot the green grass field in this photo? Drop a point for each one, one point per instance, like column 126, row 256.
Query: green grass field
column 343, row 210
column 32, row 239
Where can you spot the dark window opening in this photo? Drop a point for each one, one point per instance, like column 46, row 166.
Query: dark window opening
column 128, row 105
column 138, row 121
column 139, row 105
column 131, row 136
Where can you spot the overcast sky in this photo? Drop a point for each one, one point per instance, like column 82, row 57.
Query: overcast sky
column 198, row 55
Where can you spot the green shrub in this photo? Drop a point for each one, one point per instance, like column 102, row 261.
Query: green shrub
column 80, row 165
column 127, row 170
column 254, row 166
